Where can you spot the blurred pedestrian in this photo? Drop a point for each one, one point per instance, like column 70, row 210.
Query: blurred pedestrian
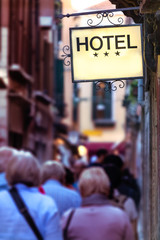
column 128, row 184
column 114, row 159
column 100, row 155
column 6, row 154
column 23, row 175
column 96, row 219
column 53, row 182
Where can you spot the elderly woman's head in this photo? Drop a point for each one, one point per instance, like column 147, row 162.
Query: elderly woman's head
column 53, row 170
column 23, row 168
column 6, row 154
column 94, row 180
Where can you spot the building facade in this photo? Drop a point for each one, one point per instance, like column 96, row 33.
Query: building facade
column 28, row 42
column 151, row 115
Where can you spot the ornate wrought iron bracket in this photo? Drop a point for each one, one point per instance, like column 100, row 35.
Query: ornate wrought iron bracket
column 109, row 86
column 66, row 55
column 101, row 14
column 109, row 16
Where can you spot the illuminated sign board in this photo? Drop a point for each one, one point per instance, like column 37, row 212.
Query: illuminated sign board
column 106, row 53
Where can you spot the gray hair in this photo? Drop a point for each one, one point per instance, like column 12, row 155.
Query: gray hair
column 52, row 170
column 94, row 180
column 6, row 153
column 23, row 168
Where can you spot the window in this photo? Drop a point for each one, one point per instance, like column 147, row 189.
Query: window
column 102, row 107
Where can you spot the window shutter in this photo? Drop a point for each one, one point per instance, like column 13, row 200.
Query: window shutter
column 59, row 86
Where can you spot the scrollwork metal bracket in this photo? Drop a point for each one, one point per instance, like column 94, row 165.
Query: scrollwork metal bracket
column 109, row 86
column 66, row 55
column 108, row 16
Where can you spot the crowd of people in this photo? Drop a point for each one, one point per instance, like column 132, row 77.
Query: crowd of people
column 97, row 200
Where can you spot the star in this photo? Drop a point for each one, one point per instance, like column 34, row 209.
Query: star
column 95, row 54
column 106, row 54
column 117, row 53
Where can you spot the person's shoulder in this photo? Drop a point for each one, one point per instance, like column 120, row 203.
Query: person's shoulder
column 130, row 208
column 117, row 214
column 116, row 210
column 71, row 192
column 130, row 204
column 46, row 198
column 45, row 201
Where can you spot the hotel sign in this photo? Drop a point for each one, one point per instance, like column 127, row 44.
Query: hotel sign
column 106, row 53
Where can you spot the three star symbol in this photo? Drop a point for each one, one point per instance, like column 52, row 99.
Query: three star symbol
column 106, row 54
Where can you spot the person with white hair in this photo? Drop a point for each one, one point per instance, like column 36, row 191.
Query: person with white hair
column 6, row 153
column 96, row 219
column 53, row 181
column 23, row 175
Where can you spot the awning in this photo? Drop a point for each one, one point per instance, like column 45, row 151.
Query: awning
column 94, row 146
column 110, row 146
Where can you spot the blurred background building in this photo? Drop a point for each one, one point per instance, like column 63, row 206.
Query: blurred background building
column 29, row 83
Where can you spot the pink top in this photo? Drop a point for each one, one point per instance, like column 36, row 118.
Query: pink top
column 103, row 222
